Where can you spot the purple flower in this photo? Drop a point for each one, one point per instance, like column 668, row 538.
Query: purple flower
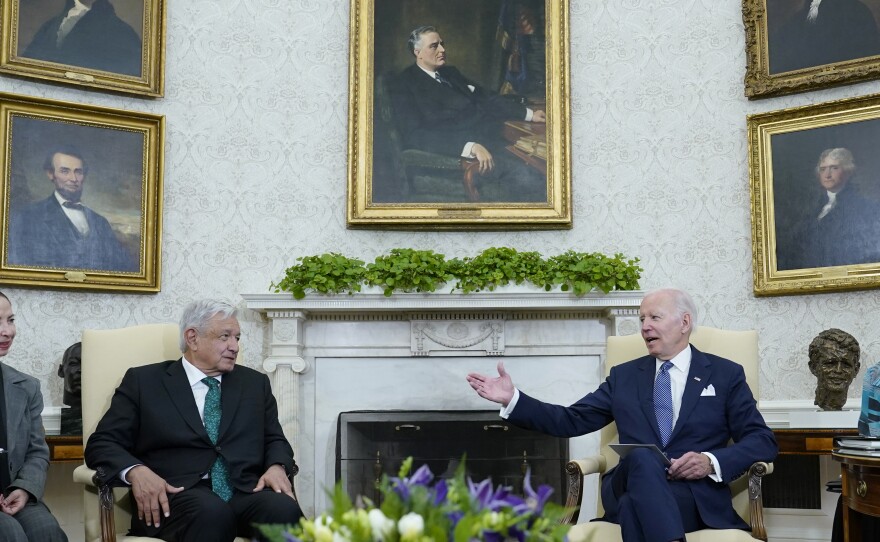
column 440, row 492
column 422, row 477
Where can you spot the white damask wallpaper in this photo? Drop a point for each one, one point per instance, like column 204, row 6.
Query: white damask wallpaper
column 255, row 172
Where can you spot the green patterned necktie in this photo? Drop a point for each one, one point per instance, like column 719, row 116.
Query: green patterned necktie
column 219, row 472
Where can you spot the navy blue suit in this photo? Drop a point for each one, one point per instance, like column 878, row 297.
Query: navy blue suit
column 42, row 235
column 706, row 423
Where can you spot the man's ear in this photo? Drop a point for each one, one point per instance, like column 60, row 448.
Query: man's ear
column 190, row 334
column 686, row 323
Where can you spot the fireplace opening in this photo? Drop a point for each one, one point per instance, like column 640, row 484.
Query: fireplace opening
column 372, row 443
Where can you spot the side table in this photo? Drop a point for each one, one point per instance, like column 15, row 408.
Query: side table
column 861, row 492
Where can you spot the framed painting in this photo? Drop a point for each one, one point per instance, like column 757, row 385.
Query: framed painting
column 798, row 45
column 459, row 115
column 114, row 45
column 81, row 196
column 815, row 197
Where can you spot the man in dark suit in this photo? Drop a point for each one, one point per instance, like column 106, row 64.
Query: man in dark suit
column 439, row 110
column 88, row 34
column 690, row 407
column 195, row 477
column 60, row 231
column 841, row 227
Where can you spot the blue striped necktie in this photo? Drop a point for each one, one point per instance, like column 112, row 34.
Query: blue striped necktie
column 663, row 402
column 219, row 472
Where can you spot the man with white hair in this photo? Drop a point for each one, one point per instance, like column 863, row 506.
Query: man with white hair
column 200, row 468
column 696, row 407
column 841, row 227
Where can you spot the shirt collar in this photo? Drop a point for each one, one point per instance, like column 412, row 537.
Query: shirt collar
column 193, row 374
column 432, row 74
column 61, row 199
column 681, row 361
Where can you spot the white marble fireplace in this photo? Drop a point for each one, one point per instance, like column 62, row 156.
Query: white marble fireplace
column 332, row 354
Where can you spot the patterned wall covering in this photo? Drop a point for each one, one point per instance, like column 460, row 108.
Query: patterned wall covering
column 256, row 105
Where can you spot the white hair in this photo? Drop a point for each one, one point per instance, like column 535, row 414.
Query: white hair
column 197, row 314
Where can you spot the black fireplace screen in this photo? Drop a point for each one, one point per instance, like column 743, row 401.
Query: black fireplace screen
column 372, row 443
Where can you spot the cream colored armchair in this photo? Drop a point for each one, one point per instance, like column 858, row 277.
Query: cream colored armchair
column 741, row 346
column 106, row 355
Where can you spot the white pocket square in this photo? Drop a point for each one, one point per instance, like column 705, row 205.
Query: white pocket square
column 708, row 391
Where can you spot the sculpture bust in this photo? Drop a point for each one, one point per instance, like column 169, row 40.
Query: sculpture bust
column 70, row 370
column 834, row 360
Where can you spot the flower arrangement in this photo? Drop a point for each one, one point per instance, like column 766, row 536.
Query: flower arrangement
column 417, row 509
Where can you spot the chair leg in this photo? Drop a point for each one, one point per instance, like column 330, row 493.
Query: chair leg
column 756, row 506
column 470, row 170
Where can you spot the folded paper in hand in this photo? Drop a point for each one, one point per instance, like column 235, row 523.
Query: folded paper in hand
column 624, row 449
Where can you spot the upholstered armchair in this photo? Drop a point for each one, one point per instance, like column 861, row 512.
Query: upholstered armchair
column 740, row 346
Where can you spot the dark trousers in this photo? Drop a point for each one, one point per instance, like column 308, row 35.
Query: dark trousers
column 198, row 514
column 648, row 507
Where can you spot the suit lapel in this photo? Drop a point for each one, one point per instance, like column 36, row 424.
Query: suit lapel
column 646, row 392
column 180, row 392
column 697, row 380
column 230, row 395
column 16, row 400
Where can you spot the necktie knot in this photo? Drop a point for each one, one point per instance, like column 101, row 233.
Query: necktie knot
column 211, row 382
column 440, row 79
column 73, row 205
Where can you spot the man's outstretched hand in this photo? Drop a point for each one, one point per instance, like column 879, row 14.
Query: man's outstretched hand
column 497, row 389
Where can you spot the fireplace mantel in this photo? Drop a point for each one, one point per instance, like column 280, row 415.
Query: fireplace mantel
column 331, row 353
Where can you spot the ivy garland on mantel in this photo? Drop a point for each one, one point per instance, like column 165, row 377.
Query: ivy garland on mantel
column 410, row 270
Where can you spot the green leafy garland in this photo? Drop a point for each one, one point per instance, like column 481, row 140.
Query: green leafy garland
column 410, row 270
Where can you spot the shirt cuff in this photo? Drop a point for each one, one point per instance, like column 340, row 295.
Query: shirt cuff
column 123, row 474
column 505, row 411
column 468, row 151
column 716, row 467
column 529, row 114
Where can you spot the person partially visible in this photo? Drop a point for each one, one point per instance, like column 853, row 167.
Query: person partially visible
column 834, row 361
column 696, row 407
column 841, row 227
column 437, row 109
column 88, row 34
column 24, row 517
column 822, row 32
column 61, row 231
column 71, row 371
column 200, row 468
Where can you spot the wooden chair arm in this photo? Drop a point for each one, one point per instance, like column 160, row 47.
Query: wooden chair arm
column 576, row 469
column 89, row 477
column 756, row 505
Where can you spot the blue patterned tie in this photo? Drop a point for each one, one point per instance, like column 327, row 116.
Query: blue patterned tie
column 219, row 471
column 663, row 402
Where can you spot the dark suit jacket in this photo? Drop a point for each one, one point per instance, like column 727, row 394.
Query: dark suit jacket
column 849, row 234
column 705, row 424
column 100, row 40
column 28, row 453
column 153, row 420
column 41, row 234
column 438, row 118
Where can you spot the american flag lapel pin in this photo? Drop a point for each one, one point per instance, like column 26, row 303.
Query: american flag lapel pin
column 697, row 378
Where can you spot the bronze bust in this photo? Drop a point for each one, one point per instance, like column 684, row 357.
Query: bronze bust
column 70, row 370
column 834, row 360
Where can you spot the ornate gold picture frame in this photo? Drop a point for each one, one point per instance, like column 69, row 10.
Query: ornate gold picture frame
column 81, row 196
column 114, row 45
column 815, row 197
column 413, row 157
column 795, row 46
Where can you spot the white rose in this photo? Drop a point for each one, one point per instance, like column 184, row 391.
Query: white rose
column 380, row 525
column 411, row 526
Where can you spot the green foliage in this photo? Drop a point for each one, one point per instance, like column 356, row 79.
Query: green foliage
column 410, row 270
column 329, row 273
column 582, row 271
column 496, row 267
